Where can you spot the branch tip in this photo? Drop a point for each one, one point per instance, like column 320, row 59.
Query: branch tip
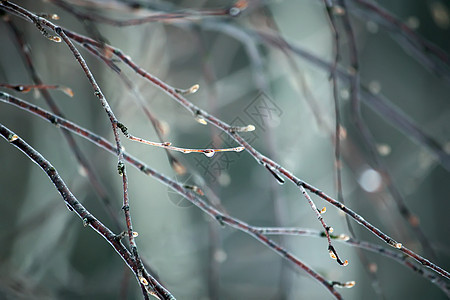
column 348, row 284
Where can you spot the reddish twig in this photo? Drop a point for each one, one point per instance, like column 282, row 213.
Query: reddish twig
column 25, row 88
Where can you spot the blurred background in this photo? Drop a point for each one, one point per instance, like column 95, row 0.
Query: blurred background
column 269, row 67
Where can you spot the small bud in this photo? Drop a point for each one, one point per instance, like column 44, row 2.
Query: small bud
column 201, row 120
column 85, row 222
column 12, row 137
column 135, row 234
column 247, row 128
column 343, row 237
column 193, row 89
column 395, row 244
column 330, row 229
column 54, row 17
column 349, row 284
column 237, row 8
column 188, row 91
column 67, row 91
column 143, row 280
column 194, row 188
column 345, row 263
column 332, row 255
column 323, row 210
column 55, row 39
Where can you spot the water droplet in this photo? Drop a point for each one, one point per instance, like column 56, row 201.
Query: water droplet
column 209, row 153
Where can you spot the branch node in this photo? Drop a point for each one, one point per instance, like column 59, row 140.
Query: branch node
column 123, row 128
column 121, row 168
column 219, row 219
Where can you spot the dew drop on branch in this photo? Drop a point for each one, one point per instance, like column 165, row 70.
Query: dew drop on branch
column 209, row 153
